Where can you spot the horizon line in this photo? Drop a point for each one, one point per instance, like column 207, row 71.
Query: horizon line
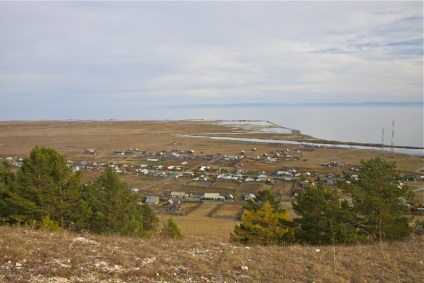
column 267, row 104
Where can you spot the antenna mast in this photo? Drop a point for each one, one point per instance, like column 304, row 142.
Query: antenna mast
column 392, row 145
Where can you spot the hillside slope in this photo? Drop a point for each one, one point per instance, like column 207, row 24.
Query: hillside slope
column 28, row 255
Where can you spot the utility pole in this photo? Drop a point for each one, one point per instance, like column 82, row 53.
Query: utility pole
column 392, row 145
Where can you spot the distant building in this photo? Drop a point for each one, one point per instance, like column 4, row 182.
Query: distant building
column 152, row 199
column 90, row 151
column 212, row 196
column 178, row 195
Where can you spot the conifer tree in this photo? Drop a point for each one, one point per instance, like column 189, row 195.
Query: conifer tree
column 49, row 188
column 264, row 226
column 379, row 199
column 170, row 230
column 261, row 197
column 13, row 208
column 113, row 209
column 324, row 218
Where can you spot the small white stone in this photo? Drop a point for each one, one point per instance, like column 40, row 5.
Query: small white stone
column 317, row 250
column 245, row 268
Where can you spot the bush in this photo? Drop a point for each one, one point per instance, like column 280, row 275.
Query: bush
column 170, row 230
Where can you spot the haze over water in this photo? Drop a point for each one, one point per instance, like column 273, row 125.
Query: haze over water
column 339, row 123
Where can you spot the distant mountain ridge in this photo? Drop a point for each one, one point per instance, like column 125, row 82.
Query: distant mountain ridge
column 263, row 105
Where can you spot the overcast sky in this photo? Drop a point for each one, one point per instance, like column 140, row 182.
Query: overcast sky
column 73, row 56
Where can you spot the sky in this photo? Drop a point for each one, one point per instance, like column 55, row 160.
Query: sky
column 59, row 59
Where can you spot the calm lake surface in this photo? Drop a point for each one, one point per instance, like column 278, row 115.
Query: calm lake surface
column 339, row 123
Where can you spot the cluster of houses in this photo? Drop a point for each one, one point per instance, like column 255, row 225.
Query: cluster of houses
column 177, row 197
column 164, row 154
column 203, row 173
column 181, row 161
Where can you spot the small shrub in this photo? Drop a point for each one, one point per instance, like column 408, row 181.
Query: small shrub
column 170, row 230
column 49, row 224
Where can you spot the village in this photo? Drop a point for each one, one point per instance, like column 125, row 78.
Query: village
column 172, row 180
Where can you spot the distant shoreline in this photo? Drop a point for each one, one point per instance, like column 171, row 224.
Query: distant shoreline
column 312, row 104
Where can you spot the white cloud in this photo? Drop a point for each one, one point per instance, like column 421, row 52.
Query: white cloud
column 195, row 52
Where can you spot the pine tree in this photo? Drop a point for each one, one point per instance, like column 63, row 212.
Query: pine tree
column 379, row 199
column 49, row 188
column 261, row 197
column 113, row 209
column 13, row 208
column 324, row 218
column 264, row 226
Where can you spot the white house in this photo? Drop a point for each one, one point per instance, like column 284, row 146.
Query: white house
column 178, row 195
column 212, row 196
column 262, row 178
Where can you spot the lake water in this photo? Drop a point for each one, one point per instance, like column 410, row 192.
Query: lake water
column 339, row 123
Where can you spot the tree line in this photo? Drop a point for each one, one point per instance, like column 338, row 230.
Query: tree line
column 44, row 192
column 375, row 212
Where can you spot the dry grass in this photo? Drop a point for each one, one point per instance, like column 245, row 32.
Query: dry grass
column 40, row 256
column 233, row 210
column 198, row 224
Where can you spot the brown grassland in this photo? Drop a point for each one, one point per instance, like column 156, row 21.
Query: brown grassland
column 205, row 255
column 29, row 255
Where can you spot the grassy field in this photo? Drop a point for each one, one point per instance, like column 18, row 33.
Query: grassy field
column 29, row 255
column 198, row 223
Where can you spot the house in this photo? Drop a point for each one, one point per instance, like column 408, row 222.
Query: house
column 249, row 196
column 283, row 173
column 90, row 151
column 174, row 205
column 178, row 195
column 142, row 172
column 262, row 178
column 152, row 200
column 232, row 158
column 212, row 196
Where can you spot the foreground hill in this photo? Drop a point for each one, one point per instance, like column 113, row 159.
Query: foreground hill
column 29, row 255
